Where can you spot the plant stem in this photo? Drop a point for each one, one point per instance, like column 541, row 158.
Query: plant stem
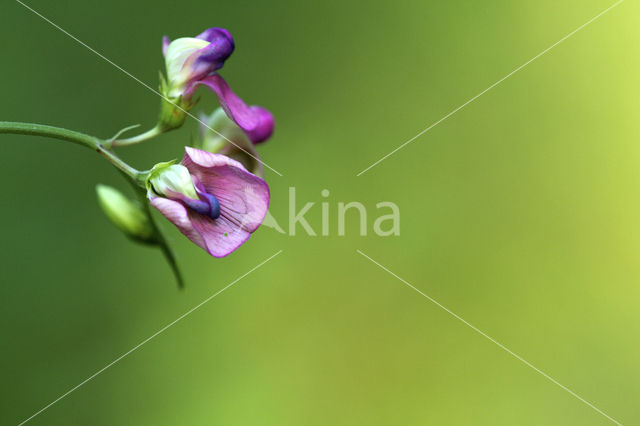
column 149, row 134
column 88, row 141
column 171, row 260
column 160, row 239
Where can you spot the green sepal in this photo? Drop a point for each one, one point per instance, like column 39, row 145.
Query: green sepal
column 155, row 170
column 173, row 110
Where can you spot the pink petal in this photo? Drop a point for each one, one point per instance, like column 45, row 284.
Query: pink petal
column 244, row 198
column 220, row 236
column 232, row 104
column 177, row 214
column 256, row 121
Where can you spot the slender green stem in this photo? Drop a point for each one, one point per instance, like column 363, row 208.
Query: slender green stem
column 88, row 141
column 171, row 260
column 122, row 131
column 160, row 239
column 149, row 134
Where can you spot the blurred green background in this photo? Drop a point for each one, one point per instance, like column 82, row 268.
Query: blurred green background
column 520, row 213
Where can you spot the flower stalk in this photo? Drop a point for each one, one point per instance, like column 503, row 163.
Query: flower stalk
column 160, row 239
column 142, row 137
column 91, row 142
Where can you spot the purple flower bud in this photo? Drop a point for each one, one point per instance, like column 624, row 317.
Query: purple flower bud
column 190, row 59
column 229, row 203
column 194, row 61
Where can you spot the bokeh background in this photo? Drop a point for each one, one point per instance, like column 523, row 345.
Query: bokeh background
column 521, row 213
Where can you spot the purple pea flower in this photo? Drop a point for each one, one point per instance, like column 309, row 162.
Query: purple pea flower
column 192, row 61
column 212, row 199
column 189, row 59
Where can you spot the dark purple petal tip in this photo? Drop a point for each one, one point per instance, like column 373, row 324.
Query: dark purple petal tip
column 266, row 124
column 218, row 51
column 217, row 35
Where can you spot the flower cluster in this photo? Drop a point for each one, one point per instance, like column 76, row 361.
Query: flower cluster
column 216, row 196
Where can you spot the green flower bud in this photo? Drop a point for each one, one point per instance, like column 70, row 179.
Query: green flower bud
column 219, row 130
column 221, row 135
column 125, row 214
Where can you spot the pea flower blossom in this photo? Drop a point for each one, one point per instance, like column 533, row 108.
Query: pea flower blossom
column 193, row 61
column 212, row 199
